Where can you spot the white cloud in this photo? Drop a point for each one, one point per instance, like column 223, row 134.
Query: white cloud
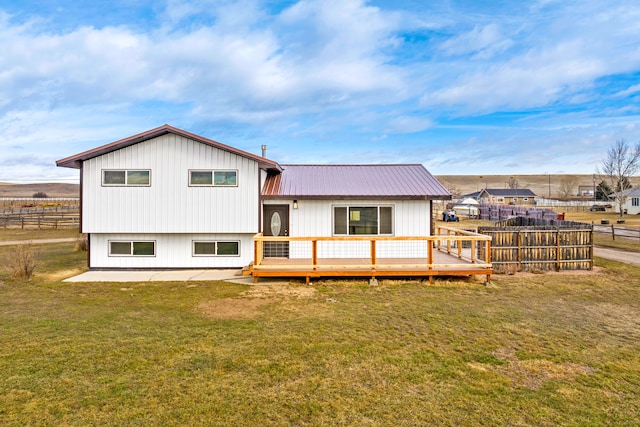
column 317, row 70
column 482, row 42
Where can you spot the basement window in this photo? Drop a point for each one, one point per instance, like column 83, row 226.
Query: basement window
column 124, row 178
column 132, row 248
column 216, row 248
column 362, row 220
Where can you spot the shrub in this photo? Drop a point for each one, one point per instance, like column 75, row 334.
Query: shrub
column 40, row 195
column 21, row 262
column 82, row 245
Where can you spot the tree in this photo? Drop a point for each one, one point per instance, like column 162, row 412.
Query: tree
column 603, row 191
column 567, row 186
column 513, row 183
column 40, row 195
column 623, row 184
column 622, row 162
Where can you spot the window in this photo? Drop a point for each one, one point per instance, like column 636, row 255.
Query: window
column 216, row 248
column 139, row 178
column 217, row 178
column 635, row 201
column 362, row 220
column 132, row 248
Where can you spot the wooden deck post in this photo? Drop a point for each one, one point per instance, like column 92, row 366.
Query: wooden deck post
column 373, row 252
column 473, row 251
column 314, row 256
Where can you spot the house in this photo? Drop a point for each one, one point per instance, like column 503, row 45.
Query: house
column 504, row 196
column 168, row 198
column 632, row 203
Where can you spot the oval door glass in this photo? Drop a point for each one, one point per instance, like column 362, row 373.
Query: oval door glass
column 276, row 224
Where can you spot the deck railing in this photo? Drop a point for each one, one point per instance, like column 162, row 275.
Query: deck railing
column 449, row 251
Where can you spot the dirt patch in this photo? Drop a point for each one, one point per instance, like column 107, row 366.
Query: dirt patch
column 249, row 304
column 596, row 270
column 532, row 373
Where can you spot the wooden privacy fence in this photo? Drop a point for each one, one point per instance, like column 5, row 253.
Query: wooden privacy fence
column 503, row 212
column 540, row 247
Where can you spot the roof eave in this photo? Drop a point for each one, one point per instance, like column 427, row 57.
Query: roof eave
column 354, row 197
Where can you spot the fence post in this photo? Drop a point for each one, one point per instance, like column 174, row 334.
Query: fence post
column 558, row 249
column 613, row 232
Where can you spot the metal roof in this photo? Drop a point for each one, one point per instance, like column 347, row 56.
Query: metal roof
column 76, row 160
column 509, row 192
column 354, row 182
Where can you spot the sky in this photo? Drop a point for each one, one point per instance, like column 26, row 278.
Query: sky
column 464, row 87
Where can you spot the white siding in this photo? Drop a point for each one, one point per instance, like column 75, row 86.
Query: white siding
column 169, row 205
column 172, row 251
column 315, row 218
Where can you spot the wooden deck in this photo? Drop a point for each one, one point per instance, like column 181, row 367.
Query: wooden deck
column 446, row 255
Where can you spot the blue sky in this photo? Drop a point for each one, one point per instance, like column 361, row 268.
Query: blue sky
column 464, row 87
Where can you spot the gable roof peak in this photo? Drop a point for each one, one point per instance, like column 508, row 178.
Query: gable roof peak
column 76, row 160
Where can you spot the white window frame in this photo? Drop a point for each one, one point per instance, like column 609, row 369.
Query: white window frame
column 213, row 177
column 215, row 242
column 362, row 205
column 132, row 247
column 126, row 178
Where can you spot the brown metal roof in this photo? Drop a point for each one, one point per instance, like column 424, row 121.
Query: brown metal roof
column 354, row 182
column 76, row 160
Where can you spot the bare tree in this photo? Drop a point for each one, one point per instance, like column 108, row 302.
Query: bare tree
column 622, row 162
column 568, row 184
column 512, row 183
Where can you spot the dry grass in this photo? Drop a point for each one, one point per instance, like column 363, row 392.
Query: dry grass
column 547, row 349
column 16, row 234
column 21, row 261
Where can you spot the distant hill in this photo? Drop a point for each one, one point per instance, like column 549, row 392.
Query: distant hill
column 51, row 189
column 541, row 185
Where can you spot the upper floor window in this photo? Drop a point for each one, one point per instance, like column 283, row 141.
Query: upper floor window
column 362, row 220
column 213, row 178
column 141, row 178
column 132, row 248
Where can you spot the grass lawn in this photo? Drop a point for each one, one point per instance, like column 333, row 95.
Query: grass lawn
column 10, row 234
column 549, row 349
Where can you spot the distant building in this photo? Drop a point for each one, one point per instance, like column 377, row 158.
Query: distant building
column 632, row 204
column 585, row 190
column 504, row 196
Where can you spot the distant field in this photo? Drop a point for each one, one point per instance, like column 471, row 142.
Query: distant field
column 52, row 189
column 542, row 185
